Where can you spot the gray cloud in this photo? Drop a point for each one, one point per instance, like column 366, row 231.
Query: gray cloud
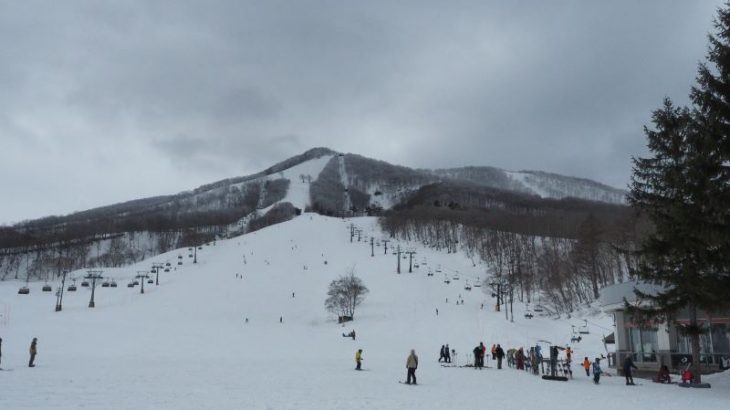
column 96, row 95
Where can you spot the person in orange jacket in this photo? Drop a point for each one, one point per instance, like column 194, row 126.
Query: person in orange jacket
column 587, row 366
column 494, row 352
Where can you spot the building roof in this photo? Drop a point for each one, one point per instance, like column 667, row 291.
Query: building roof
column 612, row 297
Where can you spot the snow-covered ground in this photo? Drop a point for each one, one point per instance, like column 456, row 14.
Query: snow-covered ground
column 184, row 344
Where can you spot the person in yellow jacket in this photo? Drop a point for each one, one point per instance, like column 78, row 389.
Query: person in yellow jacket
column 358, row 359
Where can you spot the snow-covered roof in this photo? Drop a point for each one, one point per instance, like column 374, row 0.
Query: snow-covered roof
column 612, row 297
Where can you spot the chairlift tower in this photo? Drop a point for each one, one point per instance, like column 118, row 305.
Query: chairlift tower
column 93, row 275
column 59, row 293
column 410, row 260
column 398, row 254
column 372, row 246
column 385, row 246
column 142, row 275
column 156, row 268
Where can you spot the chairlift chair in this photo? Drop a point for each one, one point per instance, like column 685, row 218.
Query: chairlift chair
column 130, row 284
column 168, row 264
column 24, row 291
column 167, row 269
column 150, row 281
column 71, row 288
column 179, row 263
column 105, row 284
column 85, row 283
column 528, row 313
column 136, row 282
column 179, row 256
column 583, row 329
column 113, row 284
column 47, row 288
column 478, row 284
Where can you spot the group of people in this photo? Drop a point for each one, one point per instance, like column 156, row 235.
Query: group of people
column 411, row 365
column 480, row 351
column 445, row 354
column 33, row 351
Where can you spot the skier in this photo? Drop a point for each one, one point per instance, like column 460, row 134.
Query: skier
column 597, row 371
column 499, row 354
column 520, row 358
column 358, row 359
column 1, row 350
column 412, row 365
column 33, row 352
column 437, row 312
column 448, row 355
column 628, row 364
column 587, row 366
column 281, row 319
column 442, row 354
column 494, row 352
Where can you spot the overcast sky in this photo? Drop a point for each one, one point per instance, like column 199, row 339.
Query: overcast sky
column 102, row 102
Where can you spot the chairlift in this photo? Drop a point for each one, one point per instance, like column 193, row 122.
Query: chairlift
column 105, row 284
column 179, row 256
column 478, row 284
column 200, row 248
column 438, row 269
column 24, row 291
column 130, row 284
column 456, row 277
column 415, row 265
column 584, row 328
column 113, row 284
column 47, row 288
column 430, row 273
column 179, row 262
column 167, row 269
column 150, row 281
column 528, row 313
column 467, row 286
column 190, row 249
column 85, row 283
column 71, row 288
column 538, row 309
column 190, row 255
column 136, row 282
column 168, row 264
column 446, row 279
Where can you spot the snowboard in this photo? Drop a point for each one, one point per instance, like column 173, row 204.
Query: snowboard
column 408, row 384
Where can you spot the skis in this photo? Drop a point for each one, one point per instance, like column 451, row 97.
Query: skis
column 410, row 384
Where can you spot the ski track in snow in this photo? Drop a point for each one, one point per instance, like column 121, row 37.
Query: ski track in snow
column 184, row 344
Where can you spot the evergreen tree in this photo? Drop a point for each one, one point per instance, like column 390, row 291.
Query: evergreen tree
column 684, row 189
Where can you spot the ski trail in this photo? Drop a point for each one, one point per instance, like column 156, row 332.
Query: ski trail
column 344, row 182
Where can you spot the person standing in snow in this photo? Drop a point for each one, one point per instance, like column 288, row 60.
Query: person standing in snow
column 494, row 352
column 411, row 365
column 33, row 352
column 597, row 371
column 358, row 359
column 448, row 354
column 628, row 364
column 587, row 366
column 442, row 355
column 499, row 354
column 520, row 359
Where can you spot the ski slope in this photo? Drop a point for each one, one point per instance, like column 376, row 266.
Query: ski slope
column 185, row 345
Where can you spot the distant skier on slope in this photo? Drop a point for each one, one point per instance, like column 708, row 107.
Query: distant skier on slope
column 33, row 351
column 448, row 354
column 358, row 359
column 442, row 354
column 411, row 365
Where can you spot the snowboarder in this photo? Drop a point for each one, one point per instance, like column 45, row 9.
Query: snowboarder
column 499, row 354
column 33, row 352
column 448, row 355
column 597, row 371
column 442, row 354
column 587, row 366
column 628, row 364
column 358, row 359
column 411, row 365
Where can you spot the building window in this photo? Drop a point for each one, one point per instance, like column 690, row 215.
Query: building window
column 643, row 344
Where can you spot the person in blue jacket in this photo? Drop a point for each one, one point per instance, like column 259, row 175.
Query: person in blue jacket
column 597, row 371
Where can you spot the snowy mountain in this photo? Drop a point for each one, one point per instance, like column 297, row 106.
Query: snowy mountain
column 320, row 179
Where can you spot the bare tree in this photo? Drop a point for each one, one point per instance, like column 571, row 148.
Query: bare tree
column 345, row 294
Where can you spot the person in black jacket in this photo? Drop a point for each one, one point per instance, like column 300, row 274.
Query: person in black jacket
column 499, row 353
column 628, row 364
column 442, row 355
